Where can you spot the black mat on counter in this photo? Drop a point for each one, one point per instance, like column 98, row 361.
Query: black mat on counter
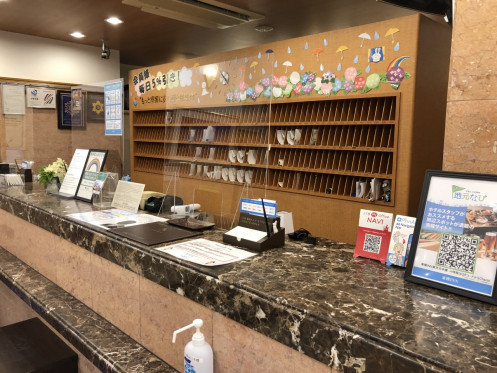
column 154, row 233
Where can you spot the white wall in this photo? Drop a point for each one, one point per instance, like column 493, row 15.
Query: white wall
column 34, row 58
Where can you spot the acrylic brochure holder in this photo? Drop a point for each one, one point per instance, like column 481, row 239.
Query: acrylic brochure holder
column 250, row 227
column 103, row 193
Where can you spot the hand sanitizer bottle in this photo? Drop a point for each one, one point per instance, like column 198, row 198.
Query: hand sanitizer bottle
column 198, row 353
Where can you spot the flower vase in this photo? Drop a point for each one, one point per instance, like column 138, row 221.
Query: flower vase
column 53, row 186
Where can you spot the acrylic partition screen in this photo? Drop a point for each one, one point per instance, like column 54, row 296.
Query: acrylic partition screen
column 28, row 126
column 98, row 120
column 210, row 143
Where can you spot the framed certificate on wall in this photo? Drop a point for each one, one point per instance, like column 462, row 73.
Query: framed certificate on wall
column 454, row 243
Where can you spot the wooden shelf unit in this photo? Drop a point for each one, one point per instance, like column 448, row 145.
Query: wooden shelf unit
column 341, row 141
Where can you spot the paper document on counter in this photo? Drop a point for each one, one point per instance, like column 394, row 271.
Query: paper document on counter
column 205, row 252
column 115, row 218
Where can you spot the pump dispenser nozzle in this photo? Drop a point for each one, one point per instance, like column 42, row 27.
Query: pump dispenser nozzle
column 198, row 353
column 198, row 336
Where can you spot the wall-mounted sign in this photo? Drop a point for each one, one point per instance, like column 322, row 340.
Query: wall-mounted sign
column 113, row 94
column 41, row 98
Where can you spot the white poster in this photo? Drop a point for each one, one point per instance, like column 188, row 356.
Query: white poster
column 13, row 99
column 39, row 97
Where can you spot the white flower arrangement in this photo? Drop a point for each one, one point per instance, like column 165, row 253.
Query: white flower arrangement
column 57, row 170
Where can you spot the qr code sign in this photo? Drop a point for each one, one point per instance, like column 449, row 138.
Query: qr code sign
column 372, row 243
column 458, row 252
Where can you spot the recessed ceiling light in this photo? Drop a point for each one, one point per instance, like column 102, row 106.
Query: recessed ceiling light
column 78, row 34
column 264, row 28
column 114, row 20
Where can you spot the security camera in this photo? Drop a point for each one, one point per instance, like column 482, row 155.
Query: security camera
column 105, row 55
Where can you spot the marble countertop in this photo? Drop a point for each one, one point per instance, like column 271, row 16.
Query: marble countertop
column 319, row 300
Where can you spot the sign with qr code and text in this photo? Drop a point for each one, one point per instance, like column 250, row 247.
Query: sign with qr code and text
column 454, row 244
column 373, row 235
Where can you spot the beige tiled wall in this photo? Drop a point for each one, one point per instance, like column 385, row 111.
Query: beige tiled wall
column 471, row 124
column 146, row 311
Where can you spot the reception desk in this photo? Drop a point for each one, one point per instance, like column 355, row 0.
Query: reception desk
column 299, row 308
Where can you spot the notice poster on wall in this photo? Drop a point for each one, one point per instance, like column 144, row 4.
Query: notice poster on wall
column 41, row 98
column 13, row 99
column 113, row 95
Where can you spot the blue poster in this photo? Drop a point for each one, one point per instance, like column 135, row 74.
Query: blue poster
column 113, row 93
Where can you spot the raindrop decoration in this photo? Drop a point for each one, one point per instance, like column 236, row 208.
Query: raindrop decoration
column 325, row 42
column 368, row 69
column 210, row 95
column 376, row 36
column 306, row 45
column 246, row 59
column 198, row 100
column 289, row 50
column 275, row 63
column 396, row 48
column 339, row 67
column 301, row 67
column 236, row 59
column 321, row 67
column 259, row 55
column 356, row 59
column 198, row 83
column 263, row 71
column 250, row 76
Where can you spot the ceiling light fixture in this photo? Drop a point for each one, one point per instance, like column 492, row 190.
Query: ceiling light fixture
column 264, row 28
column 77, row 34
column 114, row 20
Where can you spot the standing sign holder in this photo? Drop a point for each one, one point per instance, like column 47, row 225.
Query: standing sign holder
column 454, row 243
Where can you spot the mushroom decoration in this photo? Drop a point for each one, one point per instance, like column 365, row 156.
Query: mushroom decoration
column 268, row 52
column 363, row 36
column 254, row 64
column 287, row 64
column 392, row 31
column 316, row 52
column 341, row 49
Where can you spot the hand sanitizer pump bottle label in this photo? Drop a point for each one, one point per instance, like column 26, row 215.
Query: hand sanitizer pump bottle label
column 198, row 353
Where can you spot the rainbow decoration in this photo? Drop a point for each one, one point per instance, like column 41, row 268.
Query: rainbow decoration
column 94, row 165
column 396, row 62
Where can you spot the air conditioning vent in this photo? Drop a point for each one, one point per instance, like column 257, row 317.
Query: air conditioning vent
column 206, row 13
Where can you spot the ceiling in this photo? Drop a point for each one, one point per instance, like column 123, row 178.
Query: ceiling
column 145, row 39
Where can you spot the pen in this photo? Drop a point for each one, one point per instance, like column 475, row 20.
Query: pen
column 265, row 218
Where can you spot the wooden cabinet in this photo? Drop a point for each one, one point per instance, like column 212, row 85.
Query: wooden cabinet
column 321, row 148
column 324, row 148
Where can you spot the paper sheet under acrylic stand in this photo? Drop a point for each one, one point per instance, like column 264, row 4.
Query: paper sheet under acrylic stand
column 106, row 195
column 252, row 231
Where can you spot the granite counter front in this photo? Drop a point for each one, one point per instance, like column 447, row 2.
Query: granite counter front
column 348, row 314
